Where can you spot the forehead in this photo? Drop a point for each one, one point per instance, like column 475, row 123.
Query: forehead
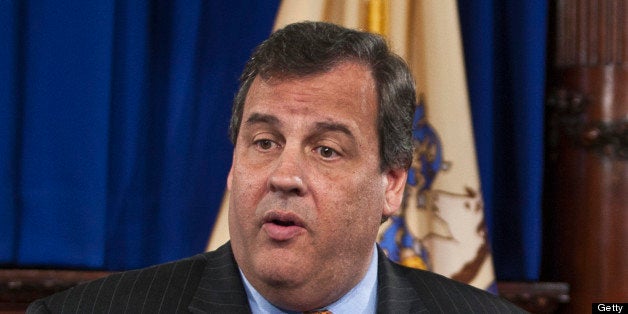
column 345, row 92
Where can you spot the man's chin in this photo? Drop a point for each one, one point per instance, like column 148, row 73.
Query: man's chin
column 281, row 276
column 281, row 266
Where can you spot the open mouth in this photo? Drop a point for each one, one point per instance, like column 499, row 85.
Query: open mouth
column 284, row 219
column 283, row 222
column 282, row 226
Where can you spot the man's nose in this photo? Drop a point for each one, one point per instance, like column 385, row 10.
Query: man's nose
column 288, row 173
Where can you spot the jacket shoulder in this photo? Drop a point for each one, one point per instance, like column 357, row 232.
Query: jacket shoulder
column 167, row 287
column 442, row 294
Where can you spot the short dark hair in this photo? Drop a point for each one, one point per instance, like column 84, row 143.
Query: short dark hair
column 310, row 48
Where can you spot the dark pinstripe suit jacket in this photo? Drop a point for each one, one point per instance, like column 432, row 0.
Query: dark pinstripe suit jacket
column 210, row 283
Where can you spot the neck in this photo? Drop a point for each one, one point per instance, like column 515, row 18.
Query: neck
column 316, row 293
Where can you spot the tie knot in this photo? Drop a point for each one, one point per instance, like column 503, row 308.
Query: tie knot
column 318, row 312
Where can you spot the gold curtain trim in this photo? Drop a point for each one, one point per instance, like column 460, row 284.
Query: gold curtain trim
column 377, row 17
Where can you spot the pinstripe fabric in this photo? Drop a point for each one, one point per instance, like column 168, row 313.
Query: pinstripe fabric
column 405, row 290
column 204, row 283
column 210, row 283
column 221, row 289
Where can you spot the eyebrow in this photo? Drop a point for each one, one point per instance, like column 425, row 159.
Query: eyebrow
column 319, row 127
column 333, row 127
column 262, row 118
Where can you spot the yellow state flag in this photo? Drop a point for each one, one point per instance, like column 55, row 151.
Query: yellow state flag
column 441, row 225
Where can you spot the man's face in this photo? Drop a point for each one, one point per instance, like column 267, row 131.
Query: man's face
column 306, row 189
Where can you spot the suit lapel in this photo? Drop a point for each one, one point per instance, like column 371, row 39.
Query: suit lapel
column 220, row 289
column 395, row 294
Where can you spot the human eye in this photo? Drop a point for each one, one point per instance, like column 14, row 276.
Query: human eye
column 327, row 152
column 265, row 144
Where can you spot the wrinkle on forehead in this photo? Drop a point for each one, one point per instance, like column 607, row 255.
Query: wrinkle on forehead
column 333, row 84
column 342, row 100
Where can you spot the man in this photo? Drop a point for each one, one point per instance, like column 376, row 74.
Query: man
column 322, row 133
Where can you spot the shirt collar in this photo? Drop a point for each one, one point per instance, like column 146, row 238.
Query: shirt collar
column 360, row 299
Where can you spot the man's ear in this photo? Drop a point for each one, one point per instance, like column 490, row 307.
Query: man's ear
column 395, row 180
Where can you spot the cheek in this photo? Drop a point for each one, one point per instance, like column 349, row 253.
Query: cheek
column 246, row 179
column 358, row 202
column 246, row 190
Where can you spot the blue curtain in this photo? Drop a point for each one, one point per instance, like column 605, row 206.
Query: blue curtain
column 505, row 50
column 113, row 126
